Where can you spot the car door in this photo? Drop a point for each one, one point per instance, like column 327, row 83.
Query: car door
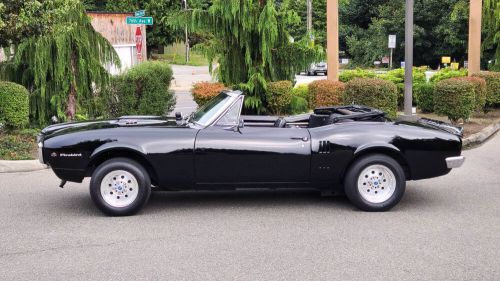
column 226, row 154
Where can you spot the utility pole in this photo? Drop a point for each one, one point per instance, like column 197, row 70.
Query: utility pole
column 332, row 37
column 475, row 18
column 409, row 57
column 186, row 39
column 309, row 16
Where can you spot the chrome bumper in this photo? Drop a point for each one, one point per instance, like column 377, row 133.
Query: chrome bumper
column 455, row 162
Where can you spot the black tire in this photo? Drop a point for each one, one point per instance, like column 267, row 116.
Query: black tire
column 354, row 174
column 140, row 176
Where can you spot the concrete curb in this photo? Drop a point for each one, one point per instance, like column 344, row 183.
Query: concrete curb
column 15, row 166
column 482, row 136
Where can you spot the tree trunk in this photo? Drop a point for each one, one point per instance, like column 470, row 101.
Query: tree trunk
column 71, row 102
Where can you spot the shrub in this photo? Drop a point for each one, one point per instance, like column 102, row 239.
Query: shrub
column 455, row 98
column 325, row 93
column 348, row 75
column 397, row 76
column 300, row 97
column 479, row 91
column 492, row 87
column 374, row 92
column 143, row 90
column 447, row 73
column 301, row 91
column 424, row 95
column 204, row 91
column 279, row 96
column 14, row 104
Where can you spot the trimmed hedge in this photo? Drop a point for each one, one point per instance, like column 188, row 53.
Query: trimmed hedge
column 397, row 76
column 301, row 91
column 325, row 93
column 300, row 97
column 447, row 73
column 142, row 90
column 373, row 92
column 348, row 75
column 479, row 91
column 279, row 96
column 14, row 104
column 492, row 87
column 455, row 98
column 205, row 91
column 424, row 95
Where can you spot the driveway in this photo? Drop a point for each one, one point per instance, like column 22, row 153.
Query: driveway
column 444, row 229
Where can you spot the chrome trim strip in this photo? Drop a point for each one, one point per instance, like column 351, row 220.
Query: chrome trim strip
column 455, row 162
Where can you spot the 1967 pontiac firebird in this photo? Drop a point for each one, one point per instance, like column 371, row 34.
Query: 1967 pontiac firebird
column 352, row 149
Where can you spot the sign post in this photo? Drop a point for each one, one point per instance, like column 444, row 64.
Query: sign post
column 392, row 46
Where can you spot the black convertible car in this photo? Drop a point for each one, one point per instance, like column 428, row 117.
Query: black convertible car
column 351, row 149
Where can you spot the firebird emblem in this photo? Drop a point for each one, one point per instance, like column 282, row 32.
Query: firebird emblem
column 53, row 154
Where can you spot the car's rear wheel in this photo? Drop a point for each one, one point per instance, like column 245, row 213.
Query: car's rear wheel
column 375, row 183
column 120, row 187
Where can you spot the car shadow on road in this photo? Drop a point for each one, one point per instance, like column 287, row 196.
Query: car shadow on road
column 206, row 200
column 415, row 199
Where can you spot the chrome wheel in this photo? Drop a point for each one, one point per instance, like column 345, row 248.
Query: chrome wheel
column 376, row 183
column 119, row 188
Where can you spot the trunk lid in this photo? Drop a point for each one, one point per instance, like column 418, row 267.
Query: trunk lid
column 442, row 126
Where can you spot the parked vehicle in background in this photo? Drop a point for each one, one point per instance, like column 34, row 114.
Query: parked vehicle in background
column 317, row 68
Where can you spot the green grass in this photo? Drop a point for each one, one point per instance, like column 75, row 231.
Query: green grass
column 176, row 54
column 18, row 144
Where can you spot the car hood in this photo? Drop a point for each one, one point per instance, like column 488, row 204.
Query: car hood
column 132, row 121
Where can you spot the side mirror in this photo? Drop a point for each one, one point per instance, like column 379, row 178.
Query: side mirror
column 241, row 125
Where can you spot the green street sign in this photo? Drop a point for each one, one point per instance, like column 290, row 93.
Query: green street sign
column 140, row 20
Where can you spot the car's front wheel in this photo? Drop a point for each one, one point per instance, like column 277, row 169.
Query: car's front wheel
column 120, row 187
column 375, row 183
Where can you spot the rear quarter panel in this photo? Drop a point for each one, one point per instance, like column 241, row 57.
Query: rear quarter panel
column 422, row 150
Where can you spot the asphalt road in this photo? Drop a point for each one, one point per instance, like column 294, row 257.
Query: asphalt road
column 444, row 229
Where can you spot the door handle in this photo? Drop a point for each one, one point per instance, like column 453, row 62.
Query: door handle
column 304, row 139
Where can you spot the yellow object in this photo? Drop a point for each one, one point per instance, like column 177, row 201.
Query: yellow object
column 455, row 65
column 446, row 60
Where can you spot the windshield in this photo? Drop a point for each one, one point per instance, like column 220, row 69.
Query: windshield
column 206, row 113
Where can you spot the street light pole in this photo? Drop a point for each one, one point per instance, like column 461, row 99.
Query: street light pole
column 408, row 105
column 332, row 37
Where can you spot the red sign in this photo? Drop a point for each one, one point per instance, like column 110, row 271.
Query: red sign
column 138, row 43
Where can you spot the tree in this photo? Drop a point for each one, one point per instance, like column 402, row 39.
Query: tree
column 251, row 44
column 22, row 19
column 63, row 67
column 491, row 29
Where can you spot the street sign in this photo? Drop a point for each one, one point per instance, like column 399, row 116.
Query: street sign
column 138, row 43
column 140, row 13
column 392, row 41
column 140, row 20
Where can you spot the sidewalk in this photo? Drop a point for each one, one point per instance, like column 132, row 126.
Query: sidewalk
column 15, row 166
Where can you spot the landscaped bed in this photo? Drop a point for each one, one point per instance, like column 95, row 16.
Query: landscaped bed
column 18, row 144
column 476, row 123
